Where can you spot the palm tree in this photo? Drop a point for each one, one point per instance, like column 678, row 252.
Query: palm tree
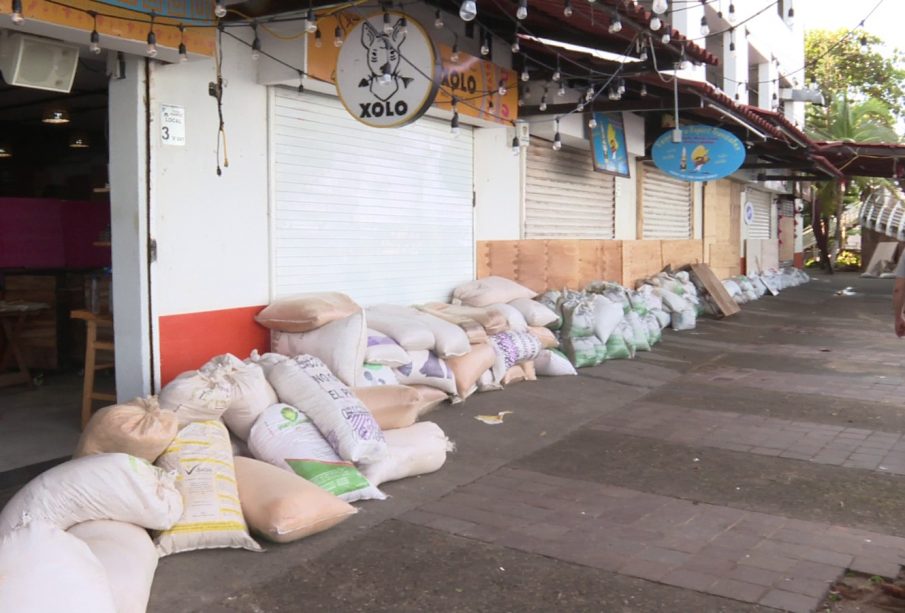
column 869, row 121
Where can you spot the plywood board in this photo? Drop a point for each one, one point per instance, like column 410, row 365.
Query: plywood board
column 590, row 261
column 787, row 236
column 678, row 253
column 707, row 282
column 563, row 265
column 611, row 269
column 531, row 264
column 761, row 254
column 640, row 259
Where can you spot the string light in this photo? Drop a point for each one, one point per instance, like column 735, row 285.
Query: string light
column 732, row 15
column 659, row 6
column 387, row 22
column 705, row 27
column 543, row 101
column 562, row 90
column 318, row 42
column 220, row 9
column 95, row 39
column 620, row 86
column 516, row 47
column 732, row 42
column 454, row 56
column 567, row 8
column 438, row 20
column 152, row 39
column 525, row 76
column 468, row 10
column 516, row 146
column 557, row 139
column 589, row 95
column 790, row 16
column 666, row 36
column 337, row 37
column 615, row 25
column 403, row 24
column 255, row 44
column 643, row 90
column 301, row 89
column 454, row 122
column 655, row 23
column 592, row 122
column 522, row 11
column 485, row 45
column 557, row 74
column 501, row 90
column 865, row 46
column 183, row 53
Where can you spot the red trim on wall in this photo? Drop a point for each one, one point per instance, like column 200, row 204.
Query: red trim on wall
column 189, row 340
column 798, row 260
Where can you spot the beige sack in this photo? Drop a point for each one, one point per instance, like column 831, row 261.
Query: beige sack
column 139, row 428
column 469, row 368
column 520, row 372
column 393, row 406
column 304, row 312
column 416, row 450
column 283, row 507
column 430, row 398
column 492, row 320
column 491, row 290
column 546, row 336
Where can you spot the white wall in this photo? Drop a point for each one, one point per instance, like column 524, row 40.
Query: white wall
column 497, row 184
column 627, row 189
column 212, row 232
column 128, row 222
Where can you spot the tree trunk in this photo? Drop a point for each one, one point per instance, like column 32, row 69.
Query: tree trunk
column 840, row 232
column 820, row 225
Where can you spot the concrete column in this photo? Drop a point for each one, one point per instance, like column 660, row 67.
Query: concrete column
column 766, row 76
column 735, row 64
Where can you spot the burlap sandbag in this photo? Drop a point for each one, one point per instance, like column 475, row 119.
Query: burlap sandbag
column 139, row 427
column 304, row 312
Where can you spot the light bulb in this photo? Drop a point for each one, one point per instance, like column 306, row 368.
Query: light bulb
column 567, row 8
column 557, row 140
column 183, row 56
column 643, row 56
column 580, row 107
column 732, row 48
column 438, row 20
column 616, row 26
column 589, row 95
column 543, row 103
column 685, row 64
column 665, row 38
column 16, row 14
column 611, row 94
column 790, row 17
column 256, row 48
column 521, row 101
column 522, row 11
column 318, row 42
column 556, row 76
column 865, row 47
column 454, row 124
column 152, row 44
column 732, row 15
column 485, row 49
column 655, row 23
column 562, row 90
column 220, row 9
column 525, row 76
column 502, row 88
column 705, row 27
column 468, row 10
column 387, row 23
column 337, row 37
column 659, row 6
column 516, row 146
column 403, row 24
column 95, row 46
column 592, row 122
column 643, row 90
column 454, row 56
column 310, row 22
column 620, row 87
column 516, row 47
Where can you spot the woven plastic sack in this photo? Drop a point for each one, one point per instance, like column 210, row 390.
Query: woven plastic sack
column 426, row 368
column 340, row 345
column 416, row 450
column 607, row 316
column 535, row 313
column 513, row 348
column 139, row 428
column 582, row 351
column 553, row 364
column 617, row 349
column 197, row 395
column 640, row 333
column 373, row 375
column 384, row 350
column 578, row 317
column 552, row 300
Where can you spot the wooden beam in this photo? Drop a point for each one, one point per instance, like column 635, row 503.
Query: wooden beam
column 686, row 103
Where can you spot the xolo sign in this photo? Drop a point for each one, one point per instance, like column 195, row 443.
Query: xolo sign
column 387, row 73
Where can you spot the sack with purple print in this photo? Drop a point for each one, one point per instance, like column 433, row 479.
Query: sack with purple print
column 307, row 384
column 427, row 369
column 384, row 350
column 513, row 348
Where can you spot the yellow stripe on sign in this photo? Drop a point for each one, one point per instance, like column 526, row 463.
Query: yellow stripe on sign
column 225, row 478
column 233, row 511
column 211, row 526
column 183, row 443
column 230, row 498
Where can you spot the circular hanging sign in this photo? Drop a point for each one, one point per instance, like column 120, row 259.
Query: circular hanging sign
column 387, row 73
column 749, row 213
column 704, row 154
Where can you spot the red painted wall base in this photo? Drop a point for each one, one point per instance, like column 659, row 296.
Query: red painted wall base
column 798, row 260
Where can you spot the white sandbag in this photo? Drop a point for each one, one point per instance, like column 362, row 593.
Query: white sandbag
column 287, row 438
column 417, row 450
column 46, row 570
column 514, row 317
column 196, row 395
column 513, row 348
column 732, row 288
column 101, row 486
column 607, row 315
column 535, row 313
column 384, row 350
column 225, row 362
column 139, row 428
column 487, row 382
column 628, row 335
column 128, row 556
column 663, row 318
column 265, row 361
column 426, row 368
column 377, row 374
column 640, row 332
column 553, row 364
column 684, row 320
column 672, row 302
column 340, row 345
column 654, row 332
column 490, row 290
column 212, row 518
column 552, row 300
column 410, row 333
column 251, row 394
column 306, row 383
column 650, row 298
column 578, row 316
column 450, row 340
column 584, row 351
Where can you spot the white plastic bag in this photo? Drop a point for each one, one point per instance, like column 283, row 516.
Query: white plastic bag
column 101, row 486
column 417, row 450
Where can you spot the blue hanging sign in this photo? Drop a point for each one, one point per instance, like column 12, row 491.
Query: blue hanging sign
column 705, row 153
column 608, row 144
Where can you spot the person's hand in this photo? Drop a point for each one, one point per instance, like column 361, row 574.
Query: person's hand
column 900, row 326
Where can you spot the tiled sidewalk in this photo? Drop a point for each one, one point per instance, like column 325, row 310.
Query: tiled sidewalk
column 824, row 444
column 887, row 358
column 752, row 557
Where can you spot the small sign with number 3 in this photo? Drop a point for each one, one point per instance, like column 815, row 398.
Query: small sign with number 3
column 172, row 125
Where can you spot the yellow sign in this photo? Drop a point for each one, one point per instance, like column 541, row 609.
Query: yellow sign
column 474, row 82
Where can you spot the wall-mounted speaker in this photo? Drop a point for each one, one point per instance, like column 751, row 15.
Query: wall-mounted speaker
column 39, row 63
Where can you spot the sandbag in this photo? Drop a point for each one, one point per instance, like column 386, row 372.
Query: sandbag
column 139, row 428
column 534, row 312
column 413, row 451
column 617, row 348
column 265, row 361
column 490, row 319
column 307, row 384
column 520, row 372
column 467, row 369
column 628, row 335
column 583, row 351
column 514, row 318
column 410, row 333
column 663, row 318
column 196, row 396
column 578, row 317
column 202, row 457
column 545, row 335
column 340, row 345
column 553, row 364
column 512, row 348
column 393, row 406
column 607, row 317
column 490, row 290
column 375, row 375
column 128, row 556
column 449, row 339
column 427, row 369
column 684, row 320
column 672, row 302
column 654, row 333
column 251, row 394
column 640, row 333
column 286, row 438
column 429, row 398
column 384, row 350
column 45, row 570
column 283, row 507
column 305, row 312
column 101, row 486
column 552, row 300
column 488, row 383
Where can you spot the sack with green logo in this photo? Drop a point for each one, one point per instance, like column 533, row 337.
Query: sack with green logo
column 285, row 437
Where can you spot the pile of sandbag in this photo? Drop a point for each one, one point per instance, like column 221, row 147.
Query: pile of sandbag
column 747, row 288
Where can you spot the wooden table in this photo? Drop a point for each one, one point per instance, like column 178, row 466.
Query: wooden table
column 93, row 321
column 13, row 316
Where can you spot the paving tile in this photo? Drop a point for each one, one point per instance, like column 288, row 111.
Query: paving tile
column 789, row 601
column 816, row 588
column 738, row 590
column 755, row 575
column 690, row 579
column 875, row 566
column 646, row 569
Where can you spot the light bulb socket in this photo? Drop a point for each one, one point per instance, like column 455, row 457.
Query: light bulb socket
column 183, row 53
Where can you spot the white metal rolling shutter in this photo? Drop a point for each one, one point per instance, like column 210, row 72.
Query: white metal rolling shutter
column 760, row 225
column 666, row 205
column 383, row 215
column 564, row 196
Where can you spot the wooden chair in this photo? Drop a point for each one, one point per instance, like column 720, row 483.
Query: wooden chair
column 92, row 345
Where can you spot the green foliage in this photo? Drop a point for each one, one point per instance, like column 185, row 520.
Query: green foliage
column 848, row 260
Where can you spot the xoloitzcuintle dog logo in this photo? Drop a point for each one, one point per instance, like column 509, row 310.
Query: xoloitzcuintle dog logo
column 383, row 60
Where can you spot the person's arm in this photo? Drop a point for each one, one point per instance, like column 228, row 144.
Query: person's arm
column 898, row 304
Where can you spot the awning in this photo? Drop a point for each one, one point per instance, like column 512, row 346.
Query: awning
column 866, row 159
